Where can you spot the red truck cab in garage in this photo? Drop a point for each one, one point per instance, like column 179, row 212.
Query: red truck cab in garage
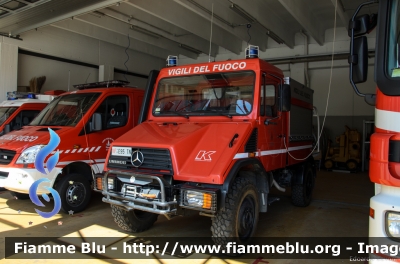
column 213, row 138
column 384, row 166
column 87, row 121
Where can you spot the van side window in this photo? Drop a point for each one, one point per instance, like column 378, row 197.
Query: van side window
column 23, row 118
column 269, row 109
column 114, row 111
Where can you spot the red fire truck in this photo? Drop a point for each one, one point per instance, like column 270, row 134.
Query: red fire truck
column 214, row 138
column 87, row 121
column 14, row 114
column 384, row 168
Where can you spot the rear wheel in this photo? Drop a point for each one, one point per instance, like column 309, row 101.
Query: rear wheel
column 328, row 164
column 134, row 220
column 20, row 196
column 302, row 193
column 237, row 222
column 351, row 165
column 75, row 192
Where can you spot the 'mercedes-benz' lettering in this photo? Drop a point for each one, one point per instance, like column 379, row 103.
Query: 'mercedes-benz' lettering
column 117, row 161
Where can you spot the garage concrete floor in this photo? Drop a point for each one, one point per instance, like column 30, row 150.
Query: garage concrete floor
column 340, row 208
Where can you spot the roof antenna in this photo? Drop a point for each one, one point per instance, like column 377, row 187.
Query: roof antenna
column 87, row 78
column 109, row 73
column 69, row 78
column 212, row 17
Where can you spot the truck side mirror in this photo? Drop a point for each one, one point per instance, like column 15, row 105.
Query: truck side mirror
column 96, row 122
column 284, row 103
column 359, row 60
column 362, row 24
column 6, row 129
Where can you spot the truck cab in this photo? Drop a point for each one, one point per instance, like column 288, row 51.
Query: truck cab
column 14, row 114
column 213, row 139
column 86, row 121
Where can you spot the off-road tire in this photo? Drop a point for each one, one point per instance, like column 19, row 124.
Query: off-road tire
column 73, row 186
column 133, row 221
column 20, row 196
column 241, row 210
column 302, row 193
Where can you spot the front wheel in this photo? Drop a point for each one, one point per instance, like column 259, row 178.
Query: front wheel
column 238, row 221
column 75, row 192
column 133, row 221
column 302, row 193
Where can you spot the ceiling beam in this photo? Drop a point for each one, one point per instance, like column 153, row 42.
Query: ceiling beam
column 122, row 28
column 180, row 16
column 187, row 39
column 258, row 37
column 306, row 19
column 85, row 29
column 269, row 21
column 340, row 11
column 59, row 15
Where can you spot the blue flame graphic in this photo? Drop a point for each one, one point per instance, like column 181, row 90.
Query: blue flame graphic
column 44, row 152
column 39, row 165
column 35, row 198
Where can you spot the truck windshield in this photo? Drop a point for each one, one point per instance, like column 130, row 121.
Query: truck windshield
column 65, row 110
column 5, row 112
column 393, row 60
column 227, row 94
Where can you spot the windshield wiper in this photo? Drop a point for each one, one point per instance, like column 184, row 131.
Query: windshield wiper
column 213, row 112
column 178, row 113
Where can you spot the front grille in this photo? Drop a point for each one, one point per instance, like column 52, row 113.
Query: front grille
column 6, row 156
column 251, row 145
column 155, row 161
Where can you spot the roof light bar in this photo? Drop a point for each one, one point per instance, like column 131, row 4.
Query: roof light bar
column 252, row 52
column 172, row 60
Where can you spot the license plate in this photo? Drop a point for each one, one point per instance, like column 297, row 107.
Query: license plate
column 121, row 151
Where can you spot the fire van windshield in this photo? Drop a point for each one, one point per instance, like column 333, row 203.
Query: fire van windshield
column 5, row 112
column 65, row 110
column 228, row 94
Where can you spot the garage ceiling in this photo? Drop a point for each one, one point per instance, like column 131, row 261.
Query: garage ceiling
column 163, row 27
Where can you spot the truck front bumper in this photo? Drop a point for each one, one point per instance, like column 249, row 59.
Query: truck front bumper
column 20, row 179
column 153, row 193
column 386, row 201
column 128, row 198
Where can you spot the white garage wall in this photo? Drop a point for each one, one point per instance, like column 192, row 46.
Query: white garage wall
column 57, row 73
column 64, row 44
column 133, row 80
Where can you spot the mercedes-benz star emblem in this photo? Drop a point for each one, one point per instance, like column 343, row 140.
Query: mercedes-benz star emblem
column 137, row 158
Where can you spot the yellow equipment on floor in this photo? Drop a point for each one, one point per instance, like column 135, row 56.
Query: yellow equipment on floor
column 348, row 153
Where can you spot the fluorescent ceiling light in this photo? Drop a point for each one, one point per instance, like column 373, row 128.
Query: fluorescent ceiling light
column 183, row 46
column 3, row 12
column 243, row 13
column 145, row 31
column 275, row 37
column 13, row 5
